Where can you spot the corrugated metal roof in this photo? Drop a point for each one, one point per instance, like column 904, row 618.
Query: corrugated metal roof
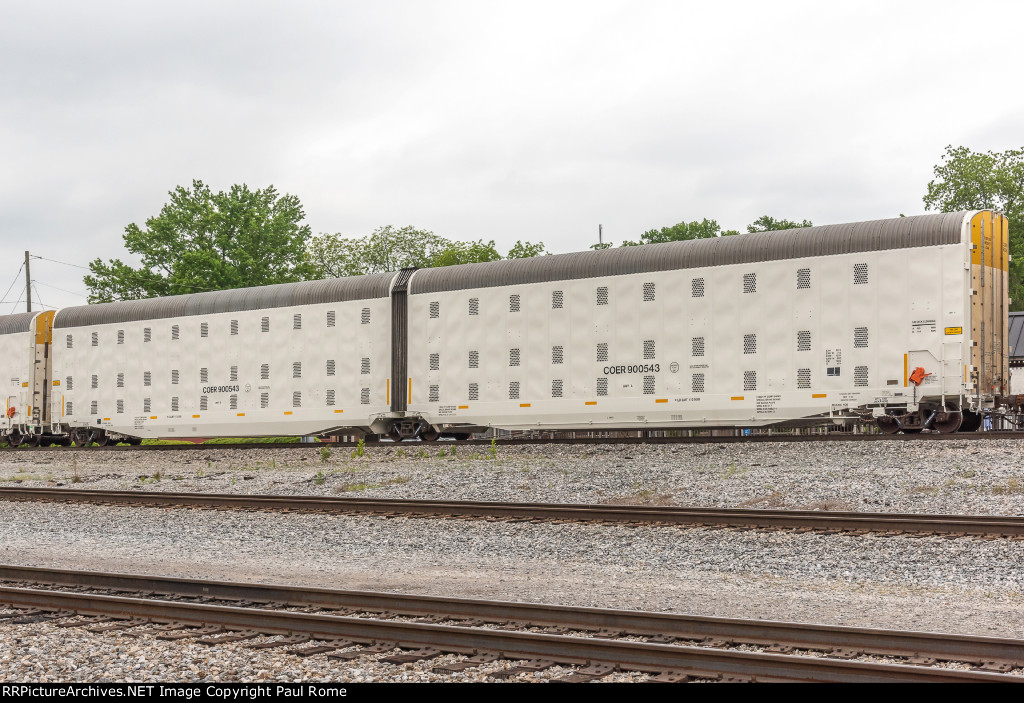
column 1016, row 340
column 898, row 233
column 334, row 290
column 21, row 322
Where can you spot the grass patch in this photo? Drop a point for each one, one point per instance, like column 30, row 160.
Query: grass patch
column 256, row 440
column 18, row 478
column 354, row 487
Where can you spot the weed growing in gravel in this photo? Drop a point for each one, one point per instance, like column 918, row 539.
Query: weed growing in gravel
column 74, row 471
column 454, row 450
column 400, row 453
column 441, row 453
column 157, row 476
column 360, row 447
column 320, row 478
column 494, row 447
column 349, row 487
column 1012, row 485
column 325, row 454
column 733, row 471
column 966, row 473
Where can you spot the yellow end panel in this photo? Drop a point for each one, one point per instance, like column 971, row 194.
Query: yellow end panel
column 976, row 248
column 44, row 327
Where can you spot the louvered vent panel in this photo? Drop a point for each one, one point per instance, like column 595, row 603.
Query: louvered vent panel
column 264, row 372
column 474, row 306
column 147, row 334
column 860, row 274
column 750, row 344
column 648, row 385
column 147, row 405
column 697, row 346
column 296, row 399
column 803, row 378
column 147, row 378
column 697, row 288
column 330, row 367
column 513, row 390
column 95, row 381
column 557, row 299
column 556, row 388
column 234, row 373
column 697, row 383
column 331, row 318
column 68, row 409
column 435, row 362
column 474, row 360
column 297, row 321
column 330, row 396
column 860, row 376
column 95, row 339
column 602, row 351
column 364, row 396
column 70, row 383
column 649, row 349
column 364, row 366
column 602, row 386
column 649, row 291
column 750, row 380
column 70, row 341
column 265, row 324
column 860, row 337
column 204, row 329
column 750, row 283
column 204, row 375
column 94, row 408
column 474, row 391
column 233, row 401
column 435, row 309
column 434, row 394
column 514, row 302
column 234, row 327
column 264, row 400
column 204, row 402
column 602, row 295
column 364, row 318
column 803, row 340
column 120, row 406
column 296, row 369
column 174, row 376
column 803, row 278
column 120, row 380
column 557, row 354
column 175, row 333
column 120, row 336
column 174, row 404
column 513, row 357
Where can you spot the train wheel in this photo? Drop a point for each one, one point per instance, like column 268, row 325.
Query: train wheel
column 33, row 440
column 971, row 423
column 948, row 422
column 134, row 441
column 430, row 435
column 80, row 437
column 887, row 424
column 462, row 436
column 15, row 438
column 102, row 438
column 395, row 435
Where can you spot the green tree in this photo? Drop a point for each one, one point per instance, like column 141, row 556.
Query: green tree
column 465, row 253
column 767, row 223
column 204, row 241
column 704, row 229
column 526, row 250
column 967, row 180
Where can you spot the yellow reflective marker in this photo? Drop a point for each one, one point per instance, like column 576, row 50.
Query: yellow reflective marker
column 954, row 330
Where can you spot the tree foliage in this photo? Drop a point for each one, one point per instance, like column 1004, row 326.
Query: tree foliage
column 704, row 229
column 204, row 241
column 767, row 223
column 967, row 180
column 392, row 248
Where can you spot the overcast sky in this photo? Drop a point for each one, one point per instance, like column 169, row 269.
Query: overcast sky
column 490, row 120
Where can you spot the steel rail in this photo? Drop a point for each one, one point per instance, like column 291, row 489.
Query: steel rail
column 562, row 649
column 747, row 518
column 939, row 646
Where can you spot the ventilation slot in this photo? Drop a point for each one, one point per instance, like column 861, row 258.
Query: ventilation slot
column 803, row 278
column 204, row 402
column 750, row 344
column 204, row 329
column 120, row 380
column 556, row 354
column 750, row 283
column 649, row 291
column 296, row 399
column 513, row 357
column 602, row 295
column 204, row 375
column 474, row 360
column 860, row 274
column 750, row 380
column 697, row 288
column 147, row 405
column 860, row 376
column 70, row 342
column 67, row 408
column 364, row 366
column 297, row 321
column 147, row 378
column 648, row 348
column 95, row 339
column 331, row 318
column 860, row 337
column 514, row 302
column 70, row 383
column 147, row 334
column 296, row 369
column 94, row 408
column 264, row 400
column 120, row 336
column 265, row 324
column 234, row 374
column 95, row 381
column 174, row 404
column 602, row 386
column 434, row 394
column 364, row 396
column 265, row 372
column 330, row 396
column 174, row 376
column 803, row 378
column 474, row 306
column 175, row 333
column 602, row 351
column 648, row 385
column 233, row 402
column 697, row 346
column 330, row 367
column 365, row 320
column 556, row 388
column 557, row 299
column 120, row 406
column 435, row 362
column 513, row 390
column 474, row 391
column 803, row 340
column 697, row 383
column 435, row 310
column 234, row 327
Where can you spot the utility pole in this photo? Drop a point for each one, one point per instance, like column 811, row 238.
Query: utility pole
column 600, row 240
column 28, row 285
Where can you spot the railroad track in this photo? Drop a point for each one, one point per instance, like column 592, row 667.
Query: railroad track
column 525, row 441
column 854, row 523
column 406, row 628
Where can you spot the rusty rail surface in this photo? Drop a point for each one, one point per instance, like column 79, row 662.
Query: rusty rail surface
column 989, row 526
column 562, row 649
